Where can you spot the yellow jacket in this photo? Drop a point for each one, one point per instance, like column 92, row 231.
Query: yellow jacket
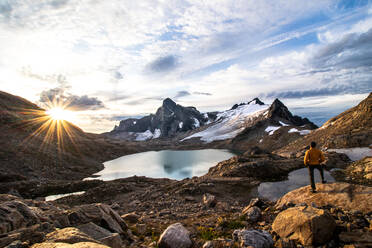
column 313, row 156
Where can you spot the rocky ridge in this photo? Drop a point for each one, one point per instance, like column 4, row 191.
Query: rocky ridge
column 352, row 128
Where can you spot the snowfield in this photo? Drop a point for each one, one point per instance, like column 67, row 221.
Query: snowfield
column 229, row 123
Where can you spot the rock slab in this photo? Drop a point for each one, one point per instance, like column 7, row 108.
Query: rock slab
column 175, row 236
column 305, row 224
column 343, row 195
column 253, row 238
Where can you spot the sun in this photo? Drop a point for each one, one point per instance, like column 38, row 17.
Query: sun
column 60, row 114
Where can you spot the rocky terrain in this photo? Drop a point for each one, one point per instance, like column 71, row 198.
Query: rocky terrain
column 352, row 128
column 340, row 215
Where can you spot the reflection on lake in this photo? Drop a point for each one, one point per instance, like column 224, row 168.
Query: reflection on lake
column 296, row 179
column 164, row 164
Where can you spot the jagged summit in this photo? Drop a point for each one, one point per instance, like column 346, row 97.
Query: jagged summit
column 169, row 119
column 169, row 102
column 278, row 111
column 254, row 101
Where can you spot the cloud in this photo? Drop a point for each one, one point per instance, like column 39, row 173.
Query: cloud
column 163, row 64
column 202, row 93
column 351, row 51
column 74, row 102
column 334, row 89
column 182, row 93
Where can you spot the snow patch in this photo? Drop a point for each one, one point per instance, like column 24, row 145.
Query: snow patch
column 134, row 122
column 230, row 122
column 144, row 136
column 271, row 129
column 283, row 124
column 302, row 132
column 180, row 125
column 157, row 133
column 196, row 123
column 355, row 153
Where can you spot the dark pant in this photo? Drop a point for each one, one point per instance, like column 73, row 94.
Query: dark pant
column 311, row 174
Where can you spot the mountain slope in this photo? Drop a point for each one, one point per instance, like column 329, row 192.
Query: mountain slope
column 168, row 121
column 254, row 124
column 352, row 128
column 33, row 147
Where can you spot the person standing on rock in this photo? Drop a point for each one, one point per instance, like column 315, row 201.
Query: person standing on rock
column 313, row 158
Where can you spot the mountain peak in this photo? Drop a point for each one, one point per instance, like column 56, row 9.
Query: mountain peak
column 254, row 101
column 168, row 102
column 257, row 101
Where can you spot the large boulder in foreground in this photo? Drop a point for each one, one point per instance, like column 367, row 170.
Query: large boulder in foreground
column 305, row 224
column 175, row 236
column 343, row 195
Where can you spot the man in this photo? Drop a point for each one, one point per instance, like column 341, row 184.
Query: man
column 313, row 158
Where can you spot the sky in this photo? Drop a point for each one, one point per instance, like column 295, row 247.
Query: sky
column 115, row 59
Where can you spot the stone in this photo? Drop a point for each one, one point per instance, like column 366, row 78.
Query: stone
column 69, row 235
column 102, row 235
column 130, row 217
column 15, row 214
column 100, row 214
column 209, row 200
column 228, row 243
column 141, row 228
column 16, row 244
column 252, row 213
column 305, row 224
column 253, row 238
column 175, row 236
column 342, row 195
column 65, row 245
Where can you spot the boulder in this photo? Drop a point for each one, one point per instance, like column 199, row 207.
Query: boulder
column 342, row 195
column 130, row 217
column 219, row 243
column 305, row 224
column 175, row 236
column 102, row 235
column 69, row 235
column 209, row 200
column 254, row 238
column 100, row 214
column 65, row 245
column 15, row 214
column 252, row 213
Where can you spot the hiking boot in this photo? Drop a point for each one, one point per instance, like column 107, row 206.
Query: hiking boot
column 323, row 182
column 313, row 191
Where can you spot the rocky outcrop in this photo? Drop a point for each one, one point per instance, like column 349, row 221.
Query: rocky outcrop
column 64, row 245
column 175, row 236
column 35, row 222
column 169, row 119
column 307, row 225
column 343, row 195
column 278, row 111
column 358, row 172
column 253, row 238
column 264, row 166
